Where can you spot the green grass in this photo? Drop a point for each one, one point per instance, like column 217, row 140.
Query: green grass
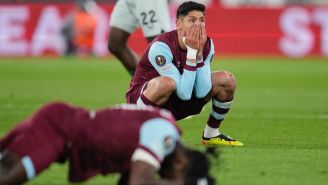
column 280, row 113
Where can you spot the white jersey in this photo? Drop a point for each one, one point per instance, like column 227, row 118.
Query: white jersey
column 151, row 15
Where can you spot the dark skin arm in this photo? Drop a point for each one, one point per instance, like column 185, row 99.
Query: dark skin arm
column 12, row 171
column 118, row 46
column 143, row 173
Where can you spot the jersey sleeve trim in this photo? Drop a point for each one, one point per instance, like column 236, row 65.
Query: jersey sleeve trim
column 158, row 136
column 190, row 68
column 142, row 155
column 29, row 167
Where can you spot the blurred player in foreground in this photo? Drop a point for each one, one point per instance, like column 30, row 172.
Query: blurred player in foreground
column 133, row 141
column 153, row 18
column 174, row 73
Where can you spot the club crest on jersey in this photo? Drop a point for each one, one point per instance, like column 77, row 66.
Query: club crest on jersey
column 168, row 142
column 160, row 60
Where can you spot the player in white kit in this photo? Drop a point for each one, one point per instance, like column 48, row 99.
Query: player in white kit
column 152, row 16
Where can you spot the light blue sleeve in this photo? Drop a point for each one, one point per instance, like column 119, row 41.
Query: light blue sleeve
column 28, row 167
column 203, row 83
column 160, row 56
column 159, row 136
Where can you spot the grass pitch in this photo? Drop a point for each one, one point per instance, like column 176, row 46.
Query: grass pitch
column 280, row 113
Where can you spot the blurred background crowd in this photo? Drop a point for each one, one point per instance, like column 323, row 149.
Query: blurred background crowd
column 294, row 28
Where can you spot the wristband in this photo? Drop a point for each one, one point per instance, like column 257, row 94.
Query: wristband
column 191, row 63
column 191, row 52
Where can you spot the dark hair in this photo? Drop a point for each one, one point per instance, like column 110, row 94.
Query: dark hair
column 197, row 170
column 199, row 167
column 167, row 165
column 198, row 164
column 189, row 6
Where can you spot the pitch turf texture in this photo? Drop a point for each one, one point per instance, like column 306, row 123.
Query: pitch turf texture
column 280, row 113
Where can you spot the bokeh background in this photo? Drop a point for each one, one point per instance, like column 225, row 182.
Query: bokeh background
column 292, row 28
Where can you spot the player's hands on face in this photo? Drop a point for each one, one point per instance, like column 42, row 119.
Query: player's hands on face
column 202, row 38
column 192, row 37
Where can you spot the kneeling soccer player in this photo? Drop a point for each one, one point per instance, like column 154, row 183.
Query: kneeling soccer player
column 134, row 141
column 175, row 73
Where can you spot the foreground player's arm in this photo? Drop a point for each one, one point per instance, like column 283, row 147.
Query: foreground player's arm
column 184, row 82
column 145, row 174
column 13, row 170
column 203, row 82
column 158, row 138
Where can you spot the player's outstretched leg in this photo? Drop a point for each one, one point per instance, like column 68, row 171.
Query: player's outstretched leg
column 224, row 86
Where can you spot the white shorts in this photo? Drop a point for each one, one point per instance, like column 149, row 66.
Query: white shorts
column 151, row 15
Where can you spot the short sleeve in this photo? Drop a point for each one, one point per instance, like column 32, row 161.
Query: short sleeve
column 158, row 139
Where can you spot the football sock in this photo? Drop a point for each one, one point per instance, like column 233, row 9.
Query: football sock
column 211, row 132
column 219, row 110
column 143, row 100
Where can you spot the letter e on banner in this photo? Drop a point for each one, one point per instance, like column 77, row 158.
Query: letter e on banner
column 12, row 30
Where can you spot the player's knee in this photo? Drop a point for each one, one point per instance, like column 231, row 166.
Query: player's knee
column 164, row 85
column 224, row 79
